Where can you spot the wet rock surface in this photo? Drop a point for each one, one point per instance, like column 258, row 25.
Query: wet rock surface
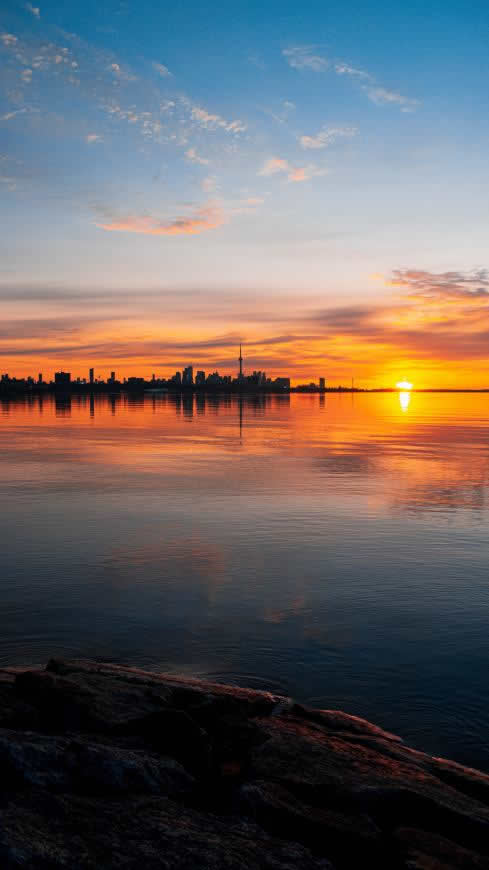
column 109, row 766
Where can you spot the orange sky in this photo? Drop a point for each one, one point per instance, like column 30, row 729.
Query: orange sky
column 309, row 193
column 430, row 328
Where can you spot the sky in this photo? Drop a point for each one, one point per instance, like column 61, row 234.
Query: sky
column 308, row 179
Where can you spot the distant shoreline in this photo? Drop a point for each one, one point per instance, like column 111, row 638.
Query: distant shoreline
column 119, row 389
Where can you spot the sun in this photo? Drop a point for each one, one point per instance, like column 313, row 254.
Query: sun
column 404, row 385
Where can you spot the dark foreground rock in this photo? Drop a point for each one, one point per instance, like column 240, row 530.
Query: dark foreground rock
column 111, row 767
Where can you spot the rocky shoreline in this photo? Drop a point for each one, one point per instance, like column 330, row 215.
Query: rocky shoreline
column 105, row 766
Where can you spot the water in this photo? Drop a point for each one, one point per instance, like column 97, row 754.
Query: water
column 334, row 548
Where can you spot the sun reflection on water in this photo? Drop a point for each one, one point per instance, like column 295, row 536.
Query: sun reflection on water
column 404, row 400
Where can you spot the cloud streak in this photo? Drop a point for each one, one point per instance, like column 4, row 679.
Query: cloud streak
column 203, row 220
column 433, row 319
column 327, row 136
column 305, row 58
column 161, row 69
column 466, row 286
column 278, row 165
column 383, row 97
column 212, row 121
column 193, row 157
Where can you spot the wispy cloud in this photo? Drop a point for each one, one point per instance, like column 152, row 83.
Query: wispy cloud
column 9, row 115
column 192, row 155
column 161, row 69
column 204, row 219
column 304, row 57
column 343, row 69
column 275, row 165
column 432, row 319
column 9, row 182
column 34, row 10
column 212, row 121
column 466, row 286
column 107, row 82
column 282, row 113
column 120, row 73
column 8, row 39
column 327, row 136
column 92, row 138
column 247, row 205
column 383, row 97
column 208, row 184
column 254, row 60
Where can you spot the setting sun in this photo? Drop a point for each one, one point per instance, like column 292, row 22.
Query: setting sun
column 404, row 385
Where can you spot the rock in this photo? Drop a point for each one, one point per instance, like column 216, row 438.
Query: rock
column 85, row 701
column 110, row 766
column 173, row 732
column 61, row 764
column 139, row 833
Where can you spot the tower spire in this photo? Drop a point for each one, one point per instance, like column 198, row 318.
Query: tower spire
column 240, row 363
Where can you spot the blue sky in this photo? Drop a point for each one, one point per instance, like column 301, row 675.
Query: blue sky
column 237, row 171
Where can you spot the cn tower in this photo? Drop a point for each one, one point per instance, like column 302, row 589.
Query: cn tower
column 240, row 363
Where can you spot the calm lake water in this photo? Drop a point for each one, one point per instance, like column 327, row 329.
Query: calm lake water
column 334, row 548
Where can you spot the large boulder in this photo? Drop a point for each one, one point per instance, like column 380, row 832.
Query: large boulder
column 110, row 766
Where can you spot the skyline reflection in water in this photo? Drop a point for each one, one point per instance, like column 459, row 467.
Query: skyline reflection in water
column 332, row 547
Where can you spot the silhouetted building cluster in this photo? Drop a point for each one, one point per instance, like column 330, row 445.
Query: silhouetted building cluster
column 184, row 380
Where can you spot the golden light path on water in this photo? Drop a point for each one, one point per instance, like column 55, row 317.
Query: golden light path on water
column 404, row 400
column 404, row 388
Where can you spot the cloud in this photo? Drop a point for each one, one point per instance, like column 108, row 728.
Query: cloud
column 105, row 81
column 327, row 136
column 299, row 174
column 247, row 205
column 9, row 115
column 275, row 165
column 161, row 69
column 9, row 182
column 36, row 12
column 281, row 115
column 433, row 320
column 343, row 69
column 383, row 97
column 208, row 184
column 303, row 57
column 8, row 39
column 204, row 219
column 121, row 74
column 256, row 61
column 192, row 155
column 148, row 123
column 212, row 121
column 467, row 286
column 91, row 138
